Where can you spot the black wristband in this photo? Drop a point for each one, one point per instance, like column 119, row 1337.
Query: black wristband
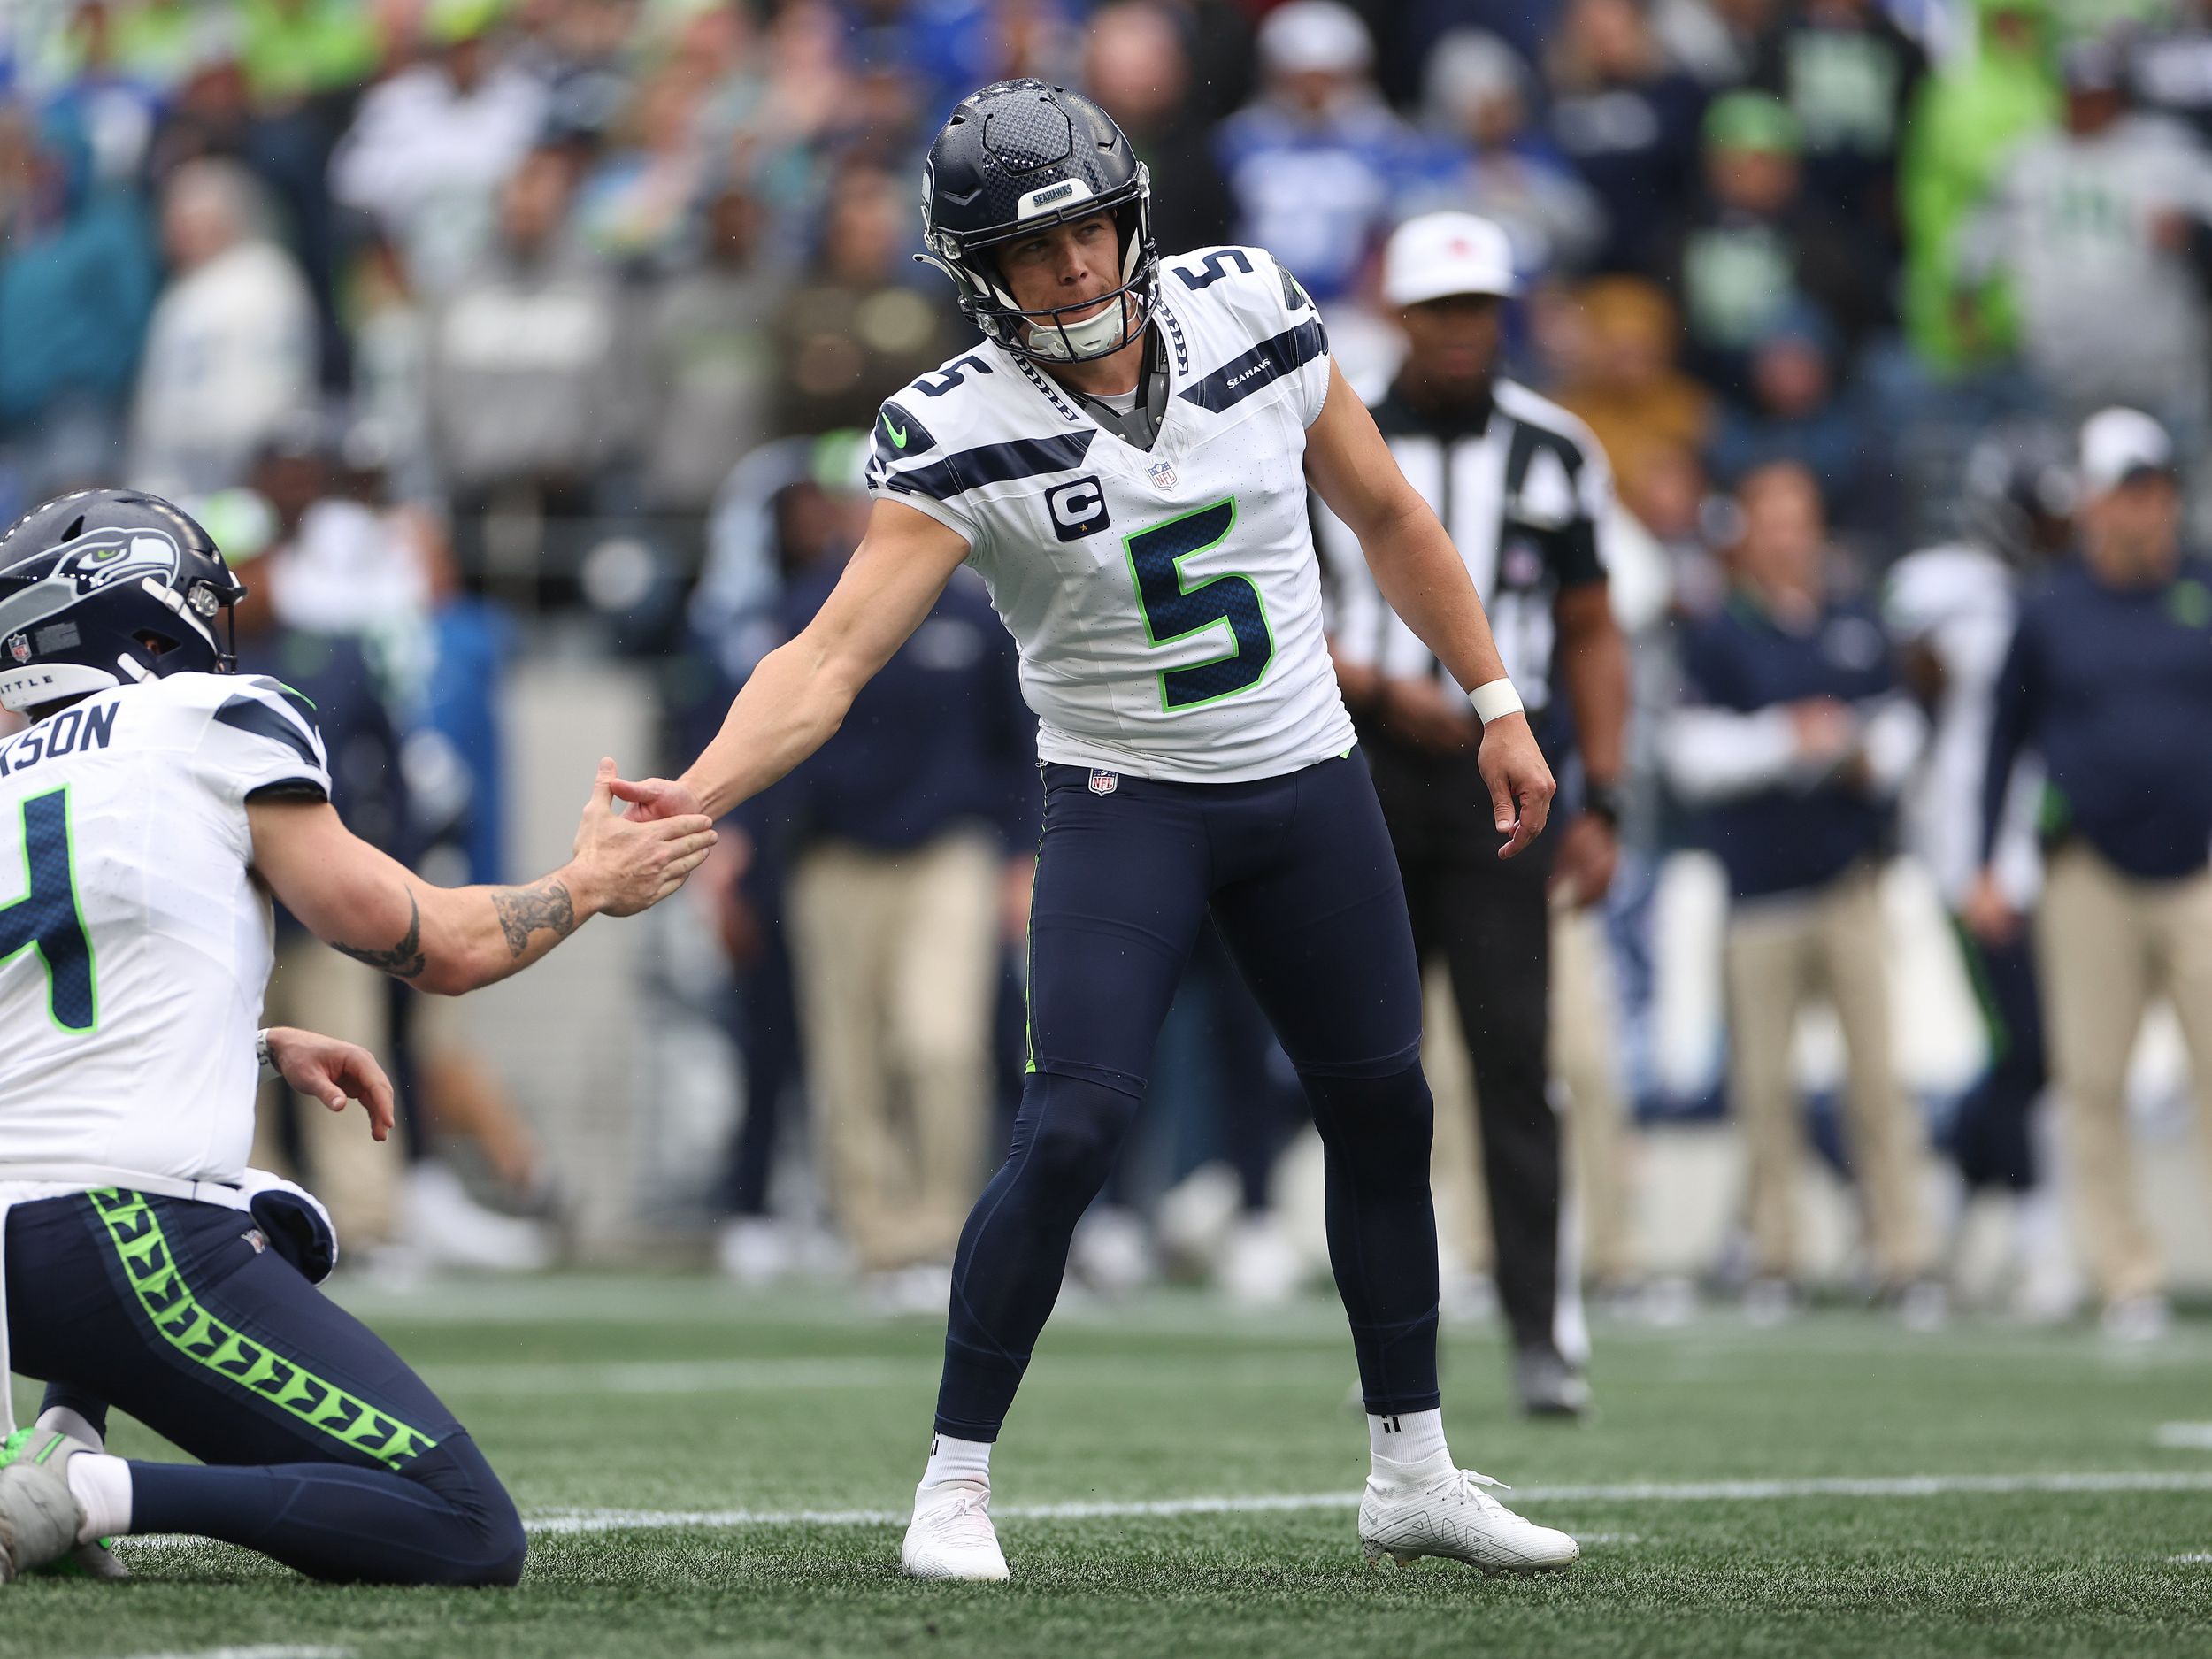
column 1603, row 800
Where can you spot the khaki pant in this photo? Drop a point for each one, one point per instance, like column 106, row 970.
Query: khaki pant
column 1781, row 953
column 2106, row 944
column 314, row 987
column 895, row 961
column 1585, row 1063
column 1586, row 1060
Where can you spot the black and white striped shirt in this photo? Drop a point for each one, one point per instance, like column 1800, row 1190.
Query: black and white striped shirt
column 1523, row 489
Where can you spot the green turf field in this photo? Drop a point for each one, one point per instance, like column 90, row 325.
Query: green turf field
column 709, row 1473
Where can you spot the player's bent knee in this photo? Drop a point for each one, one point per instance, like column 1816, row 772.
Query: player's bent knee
column 488, row 1545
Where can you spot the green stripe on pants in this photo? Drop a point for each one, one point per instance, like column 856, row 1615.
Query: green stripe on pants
column 199, row 1335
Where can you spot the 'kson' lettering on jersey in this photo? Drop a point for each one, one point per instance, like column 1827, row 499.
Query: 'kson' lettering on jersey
column 64, row 733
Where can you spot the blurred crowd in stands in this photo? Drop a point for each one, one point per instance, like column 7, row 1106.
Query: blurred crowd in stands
column 450, row 317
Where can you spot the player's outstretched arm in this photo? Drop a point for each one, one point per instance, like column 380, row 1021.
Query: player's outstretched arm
column 452, row 940
column 1426, row 583
column 798, row 695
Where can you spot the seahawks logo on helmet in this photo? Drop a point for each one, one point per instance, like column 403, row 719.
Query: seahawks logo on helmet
column 103, row 557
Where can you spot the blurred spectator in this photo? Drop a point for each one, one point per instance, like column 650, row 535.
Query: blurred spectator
column 1621, row 379
column 640, row 202
column 231, row 352
column 1493, row 161
column 2095, row 225
column 115, row 107
column 526, row 367
column 1796, row 412
column 1137, row 66
column 1318, row 163
column 1625, row 117
column 1794, row 741
column 910, row 833
column 710, row 365
column 1951, row 610
column 856, row 325
column 2171, row 65
column 76, row 277
column 1718, row 40
column 310, row 982
column 2108, row 679
column 430, row 148
column 1756, row 243
column 297, row 49
column 1849, row 74
column 1969, row 116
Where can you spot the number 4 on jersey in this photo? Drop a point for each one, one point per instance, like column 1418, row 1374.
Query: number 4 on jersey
column 1173, row 612
column 47, row 918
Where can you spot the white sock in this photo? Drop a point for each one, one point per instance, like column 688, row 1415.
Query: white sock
column 103, row 1486
column 1410, row 1436
column 956, row 1460
column 62, row 1420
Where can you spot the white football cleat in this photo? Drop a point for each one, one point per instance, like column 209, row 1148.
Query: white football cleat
column 1438, row 1509
column 39, row 1515
column 951, row 1535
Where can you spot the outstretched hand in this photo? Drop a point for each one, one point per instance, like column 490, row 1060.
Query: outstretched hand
column 656, row 798
column 635, row 860
column 1521, row 785
column 333, row 1072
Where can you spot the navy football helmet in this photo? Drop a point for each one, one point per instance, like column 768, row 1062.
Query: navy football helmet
column 1017, row 156
column 109, row 587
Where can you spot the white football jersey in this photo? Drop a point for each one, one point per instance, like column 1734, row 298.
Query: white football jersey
column 1166, row 602
column 134, row 945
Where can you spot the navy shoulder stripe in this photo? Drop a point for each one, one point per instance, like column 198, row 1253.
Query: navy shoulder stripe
column 994, row 464
column 1268, row 362
column 251, row 715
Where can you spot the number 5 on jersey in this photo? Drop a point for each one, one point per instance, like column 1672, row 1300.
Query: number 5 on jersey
column 48, row 918
column 1173, row 612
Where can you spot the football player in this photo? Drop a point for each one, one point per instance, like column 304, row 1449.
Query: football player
column 155, row 803
column 1126, row 460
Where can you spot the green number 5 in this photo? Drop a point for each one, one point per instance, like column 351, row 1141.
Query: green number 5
column 1174, row 612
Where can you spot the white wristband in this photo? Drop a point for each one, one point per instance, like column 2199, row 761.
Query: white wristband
column 1494, row 698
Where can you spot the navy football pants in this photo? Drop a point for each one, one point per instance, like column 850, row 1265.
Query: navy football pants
column 326, row 1451
column 1301, row 879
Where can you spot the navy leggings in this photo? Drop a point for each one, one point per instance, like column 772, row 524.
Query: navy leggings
column 325, row 1450
column 1300, row 877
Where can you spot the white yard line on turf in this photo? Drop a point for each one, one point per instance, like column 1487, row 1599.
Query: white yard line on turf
column 739, row 1375
column 279, row 1650
column 2201, row 1558
column 1649, row 1492
column 2189, row 1437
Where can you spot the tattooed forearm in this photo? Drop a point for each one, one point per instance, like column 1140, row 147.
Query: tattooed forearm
column 523, row 910
column 403, row 960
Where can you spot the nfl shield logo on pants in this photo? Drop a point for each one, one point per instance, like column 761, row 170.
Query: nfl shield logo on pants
column 1104, row 782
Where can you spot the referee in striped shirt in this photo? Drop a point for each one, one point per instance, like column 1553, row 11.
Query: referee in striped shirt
column 1523, row 488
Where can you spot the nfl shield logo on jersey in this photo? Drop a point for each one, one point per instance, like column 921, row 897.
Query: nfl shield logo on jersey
column 19, row 648
column 1104, row 782
column 1162, row 474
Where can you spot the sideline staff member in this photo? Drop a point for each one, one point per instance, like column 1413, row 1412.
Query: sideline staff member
column 1522, row 487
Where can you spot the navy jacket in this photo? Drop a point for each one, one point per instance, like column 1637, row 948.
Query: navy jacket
column 2113, row 687
column 1784, row 839
column 940, row 737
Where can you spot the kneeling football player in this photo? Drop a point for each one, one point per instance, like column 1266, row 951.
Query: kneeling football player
column 155, row 802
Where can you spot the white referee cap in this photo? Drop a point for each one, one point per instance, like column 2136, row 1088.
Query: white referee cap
column 2118, row 445
column 1442, row 254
